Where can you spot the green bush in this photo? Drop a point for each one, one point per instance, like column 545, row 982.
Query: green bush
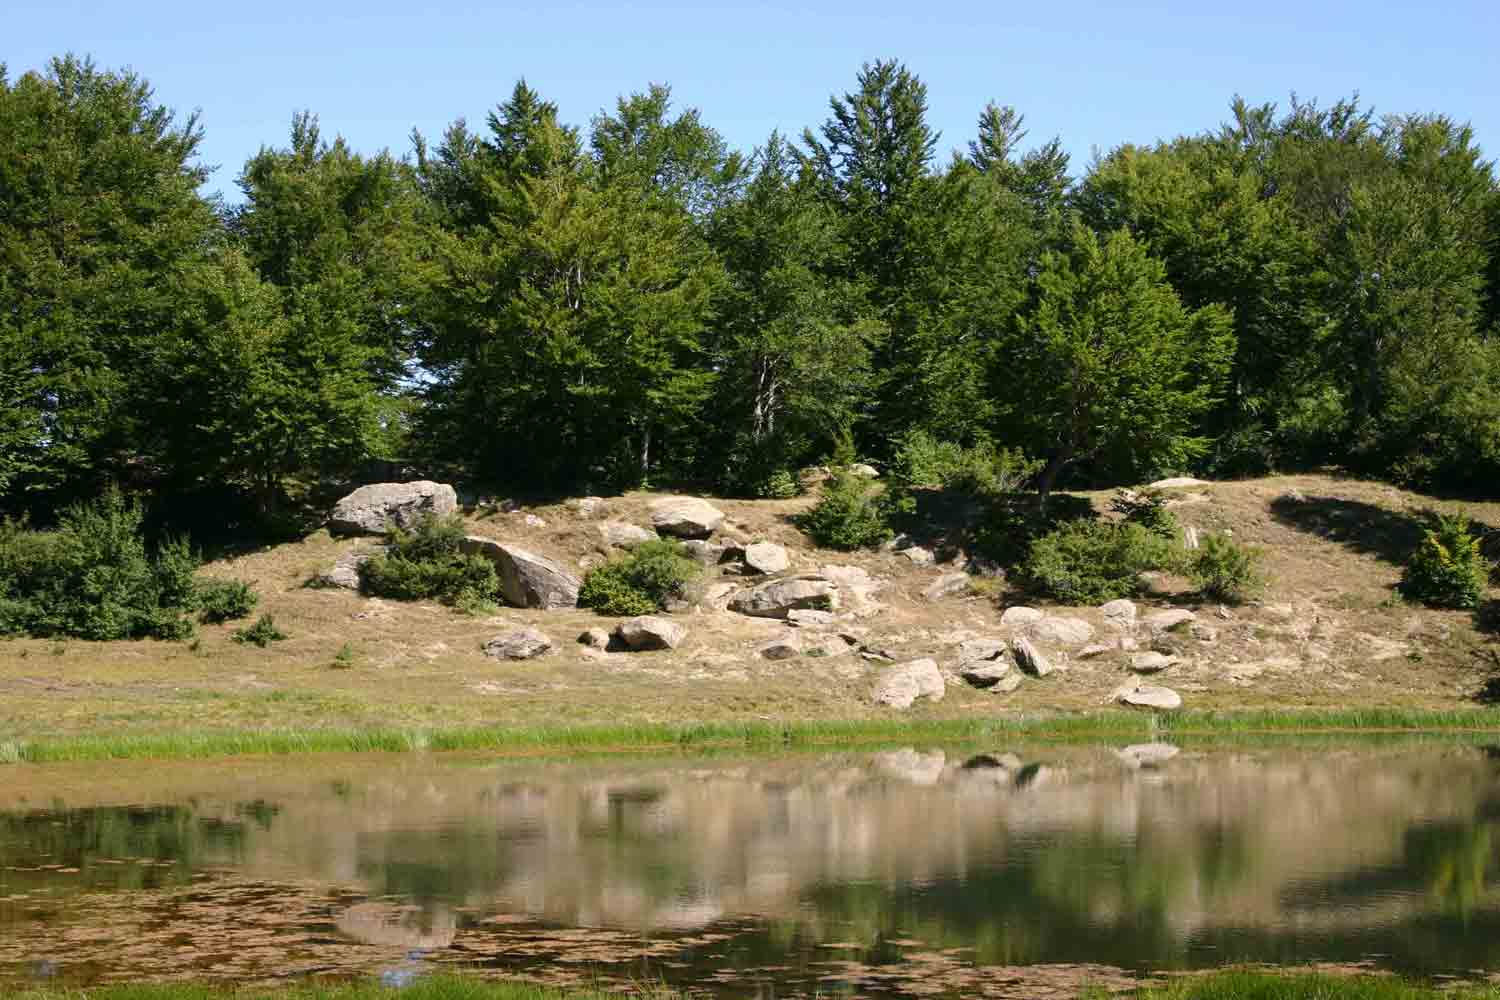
column 1148, row 508
column 1086, row 562
column 1447, row 570
column 428, row 561
column 262, row 633
column 779, row 485
column 850, row 515
column 1224, row 570
column 93, row 578
column 640, row 581
column 224, row 600
column 983, row 470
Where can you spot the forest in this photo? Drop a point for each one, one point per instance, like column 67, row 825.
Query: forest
column 537, row 306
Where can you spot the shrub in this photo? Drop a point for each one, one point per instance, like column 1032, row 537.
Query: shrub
column 779, row 485
column 1447, row 570
column 849, row 515
column 92, row 577
column 225, row 600
column 1148, row 508
column 428, row 561
column 983, row 470
column 640, row 581
column 262, row 633
column 1086, row 562
column 1225, row 570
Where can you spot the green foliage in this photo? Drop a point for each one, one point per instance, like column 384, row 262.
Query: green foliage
column 779, row 485
column 93, row 577
column 428, row 561
column 1224, row 570
column 1086, row 561
column 641, row 581
column 1148, row 508
column 344, row 658
column 262, row 633
column 982, row 469
column 849, row 515
column 224, row 600
column 1447, row 570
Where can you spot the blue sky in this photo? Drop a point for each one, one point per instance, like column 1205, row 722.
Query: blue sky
column 1095, row 72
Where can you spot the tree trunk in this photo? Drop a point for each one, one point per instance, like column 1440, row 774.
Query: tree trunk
column 1048, row 478
column 646, row 454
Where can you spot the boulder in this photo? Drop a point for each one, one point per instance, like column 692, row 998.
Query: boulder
column 1120, row 614
column 1190, row 537
column 783, row 647
column 1061, row 631
column 373, row 509
column 1007, row 684
column 1019, row 616
column 864, row 471
column 1163, row 621
column 620, row 535
column 780, row 597
column 586, row 506
column 904, row 683
column 800, row 616
column 947, row 585
column 856, row 587
column 766, row 558
column 594, row 638
column 984, row 673
column 522, row 644
column 1177, row 483
column 829, row 648
column 706, row 553
column 1031, row 659
column 1150, row 662
column 1097, row 649
column 1150, row 696
column 975, row 650
column 527, row 580
column 345, row 571
column 685, row 517
column 649, row 632
column 919, row 556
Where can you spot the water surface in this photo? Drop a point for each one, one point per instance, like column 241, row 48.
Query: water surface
column 1003, row 871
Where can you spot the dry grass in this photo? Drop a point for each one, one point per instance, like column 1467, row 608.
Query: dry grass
column 1327, row 633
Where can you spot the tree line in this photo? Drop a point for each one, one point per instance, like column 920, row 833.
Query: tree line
column 543, row 306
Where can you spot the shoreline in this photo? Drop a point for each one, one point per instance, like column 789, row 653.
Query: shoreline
column 1102, row 726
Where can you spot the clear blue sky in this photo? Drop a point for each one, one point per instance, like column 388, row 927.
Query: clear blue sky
column 1097, row 72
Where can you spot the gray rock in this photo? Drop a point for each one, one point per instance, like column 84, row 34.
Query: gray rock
column 1150, row 662
column 1150, row 696
column 685, row 517
column 976, row 650
column 620, row 535
column 1203, row 633
column 587, row 506
column 985, row 673
column 783, row 647
column 523, row 644
column 1061, row 631
column 345, row 571
column 595, row 638
column 1031, row 659
column 705, row 552
column 527, row 580
column 1189, row 537
column 766, row 557
column 1019, row 616
column 830, row 648
column 373, row 509
column 947, row 585
column 903, row 684
column 649, row 632
column 780, row 597
column 1098, row 649
column 800, row 616
column 1120, row 613
column 1163, row 621
column 864, row 471
column 1007, row 684
column 1178, row 482
column 919, row 556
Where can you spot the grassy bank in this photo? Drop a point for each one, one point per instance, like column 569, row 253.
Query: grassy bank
column 1219, row 986
column 1107, row 726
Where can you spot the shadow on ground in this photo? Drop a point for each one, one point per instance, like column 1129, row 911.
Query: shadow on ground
column 1362, row 527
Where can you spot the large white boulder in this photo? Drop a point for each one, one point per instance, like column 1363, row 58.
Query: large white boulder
column 904, row 683
column 685, row 517
column 374, row 509
column 527, row 580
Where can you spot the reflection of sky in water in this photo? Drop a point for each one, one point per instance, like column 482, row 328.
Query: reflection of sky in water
column 1135, row 858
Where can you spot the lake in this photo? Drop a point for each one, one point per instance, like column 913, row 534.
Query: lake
column 915, row 872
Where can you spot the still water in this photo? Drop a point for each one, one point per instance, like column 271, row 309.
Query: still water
column 915, row 872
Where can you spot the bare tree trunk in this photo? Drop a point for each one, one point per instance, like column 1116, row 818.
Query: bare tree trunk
column 1048, row 478
column 646, row 453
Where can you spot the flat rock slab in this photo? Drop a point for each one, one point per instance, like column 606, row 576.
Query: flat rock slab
column 1059, row 631
column 903, row 684
column 1151, row 662
column 375, row 509
column 805, row 617
column 1149, row 696
column 621, row 535
column 1164, row 621
column 522, row 644
column 779, row 598
column 685, row 517
column 1019, row 616
column 649, row 632
column 1177, row 483
column 1120, row 613
column 766, row 558
column 985, row 673
column 345, row 571
column 976, row 650
column 527, row 580
column 947, row 585
column 783, row 647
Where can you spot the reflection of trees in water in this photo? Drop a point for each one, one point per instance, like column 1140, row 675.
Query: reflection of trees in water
column 1453, row 861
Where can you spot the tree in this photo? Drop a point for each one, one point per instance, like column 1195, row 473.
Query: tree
column 99, row 219
column 793, row 336
column 1108, row 365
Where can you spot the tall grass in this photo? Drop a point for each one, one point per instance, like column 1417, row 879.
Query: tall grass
column 1099, row 726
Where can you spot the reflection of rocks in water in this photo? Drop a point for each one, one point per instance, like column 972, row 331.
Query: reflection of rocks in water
column 917, row 768
column 410, row 927
column 1146, row 755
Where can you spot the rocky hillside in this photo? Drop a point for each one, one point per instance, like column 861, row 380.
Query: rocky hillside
column 777, row 628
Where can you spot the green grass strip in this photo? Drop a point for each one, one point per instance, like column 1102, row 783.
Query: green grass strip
column 1106, row 726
